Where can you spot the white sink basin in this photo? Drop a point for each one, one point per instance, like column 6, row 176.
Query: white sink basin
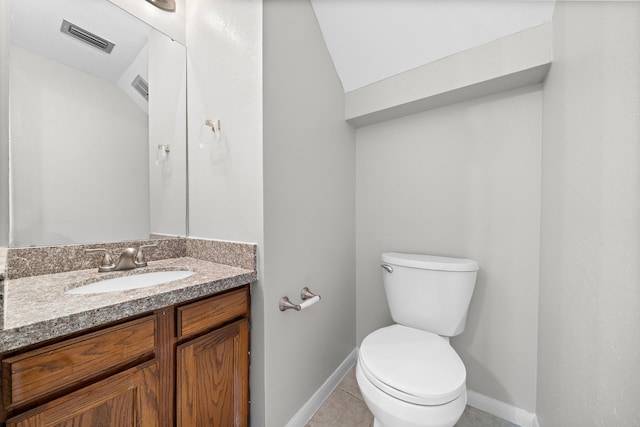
column 134, row 281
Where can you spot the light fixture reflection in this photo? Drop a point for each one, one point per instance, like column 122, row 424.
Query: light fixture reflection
column 168, row 5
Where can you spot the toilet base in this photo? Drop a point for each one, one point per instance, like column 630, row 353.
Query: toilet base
column 391, row 412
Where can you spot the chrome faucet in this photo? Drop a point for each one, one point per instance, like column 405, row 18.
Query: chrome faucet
column 128, row 259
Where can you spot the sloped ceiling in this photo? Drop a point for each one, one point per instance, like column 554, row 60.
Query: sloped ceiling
column 370, row 40
column 35, row 26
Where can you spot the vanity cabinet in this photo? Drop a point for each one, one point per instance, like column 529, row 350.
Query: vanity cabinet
column 212, row 385
column 184, row 365
column 220, row 357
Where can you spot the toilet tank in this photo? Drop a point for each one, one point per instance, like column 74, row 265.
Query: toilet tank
column 430, row 293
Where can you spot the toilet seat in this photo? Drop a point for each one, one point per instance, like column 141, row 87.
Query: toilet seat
column 414, row 366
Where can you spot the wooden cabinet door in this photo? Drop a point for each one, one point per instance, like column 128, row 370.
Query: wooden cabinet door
column 126, row 399
column 212, row 378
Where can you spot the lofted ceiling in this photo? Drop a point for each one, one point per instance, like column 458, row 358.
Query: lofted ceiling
column 371, row 40
column 35, row 26
column 368, row 40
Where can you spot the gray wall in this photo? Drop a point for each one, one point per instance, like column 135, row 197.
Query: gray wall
column 5, row 9
column 462, row 181
column 309, row 210
column 589, row 343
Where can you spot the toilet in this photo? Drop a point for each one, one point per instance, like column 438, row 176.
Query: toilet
column 408, row 373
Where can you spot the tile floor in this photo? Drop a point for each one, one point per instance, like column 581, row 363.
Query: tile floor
column 345, row 408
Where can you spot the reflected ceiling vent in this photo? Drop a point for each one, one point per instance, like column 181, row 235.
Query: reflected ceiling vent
column 141, row 86
column 86, row 36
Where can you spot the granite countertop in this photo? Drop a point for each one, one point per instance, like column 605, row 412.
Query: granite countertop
column 37, row 308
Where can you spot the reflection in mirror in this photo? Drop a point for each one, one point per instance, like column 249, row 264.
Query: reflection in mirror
column 87, row 125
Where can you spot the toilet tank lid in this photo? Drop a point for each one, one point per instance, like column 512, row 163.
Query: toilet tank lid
column 430, row 262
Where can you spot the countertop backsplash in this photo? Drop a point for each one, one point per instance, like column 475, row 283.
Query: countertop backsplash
column 3, row 262
column 3, row 259
column 37, row 261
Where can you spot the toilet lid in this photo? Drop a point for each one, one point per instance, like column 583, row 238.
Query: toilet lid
column 412, row 365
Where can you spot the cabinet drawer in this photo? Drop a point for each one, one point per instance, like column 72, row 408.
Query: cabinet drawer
column 212, row 312
column 125, row 399
column 48, row 369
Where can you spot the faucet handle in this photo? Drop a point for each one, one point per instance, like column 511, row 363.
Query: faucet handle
column 107, row 263
column 140, row 259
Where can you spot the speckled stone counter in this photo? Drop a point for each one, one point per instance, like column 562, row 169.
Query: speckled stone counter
column 37, row 308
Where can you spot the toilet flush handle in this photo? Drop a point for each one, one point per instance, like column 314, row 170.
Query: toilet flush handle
column 387, row 267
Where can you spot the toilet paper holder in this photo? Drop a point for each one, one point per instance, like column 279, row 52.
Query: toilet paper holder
column 308, row 298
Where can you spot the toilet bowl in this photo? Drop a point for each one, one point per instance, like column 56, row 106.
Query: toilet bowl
column 408, row 373
column 411, row 378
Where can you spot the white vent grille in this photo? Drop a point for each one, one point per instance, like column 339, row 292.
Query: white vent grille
column 86, row 36
column 141, row 86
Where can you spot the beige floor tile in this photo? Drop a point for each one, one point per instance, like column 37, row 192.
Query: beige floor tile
column 350, row 384
column 341, row 409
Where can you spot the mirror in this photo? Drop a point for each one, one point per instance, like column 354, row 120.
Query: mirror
column 97, row 138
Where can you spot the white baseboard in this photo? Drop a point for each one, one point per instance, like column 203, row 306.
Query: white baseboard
column 315, row 402
column 502, row 410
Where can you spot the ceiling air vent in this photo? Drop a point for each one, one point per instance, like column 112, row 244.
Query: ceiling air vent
column 141, row 86
column 86, row 36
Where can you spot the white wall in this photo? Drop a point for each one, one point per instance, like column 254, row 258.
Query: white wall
column 462, row 181
column 589, row 344
column 309, row 210
column 64, row 147
column 224, row 48
column 167, row 125
column 224, row 74
column 4, row 122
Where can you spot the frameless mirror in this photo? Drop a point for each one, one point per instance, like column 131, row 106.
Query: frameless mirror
column 97, row 125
